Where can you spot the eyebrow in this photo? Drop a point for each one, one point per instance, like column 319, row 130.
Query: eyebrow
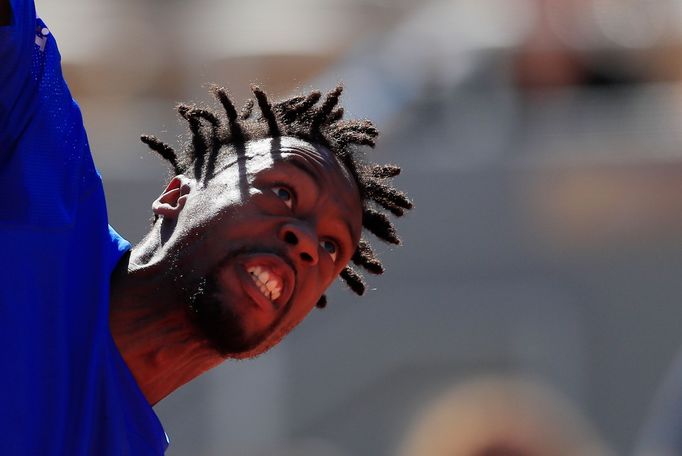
column 306, row 168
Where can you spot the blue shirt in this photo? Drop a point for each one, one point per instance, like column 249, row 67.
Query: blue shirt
column 64, row 387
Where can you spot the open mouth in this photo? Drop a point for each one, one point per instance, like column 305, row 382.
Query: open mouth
column 271, row 279
column 267, row 281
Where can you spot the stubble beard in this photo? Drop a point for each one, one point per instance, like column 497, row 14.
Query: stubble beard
column 215, row 318
column 210, row 311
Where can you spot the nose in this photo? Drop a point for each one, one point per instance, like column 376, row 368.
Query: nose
column 302, row 241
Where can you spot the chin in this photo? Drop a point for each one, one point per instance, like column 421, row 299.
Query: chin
column 256, row 342
column 235, row 328
column 234, row 335
column 256, row 348
column 232, row 338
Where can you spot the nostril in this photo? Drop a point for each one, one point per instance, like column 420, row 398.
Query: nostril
column 306, row 257
column 290, row 238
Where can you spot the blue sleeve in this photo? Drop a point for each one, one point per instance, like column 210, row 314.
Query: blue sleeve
column 17, row 86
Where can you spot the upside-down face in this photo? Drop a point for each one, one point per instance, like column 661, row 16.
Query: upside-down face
column 254, row 248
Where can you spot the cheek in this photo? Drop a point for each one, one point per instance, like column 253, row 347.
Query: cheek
column 225, row 202
column 314, row 286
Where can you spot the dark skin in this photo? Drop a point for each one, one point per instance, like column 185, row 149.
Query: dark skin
column 231, row 267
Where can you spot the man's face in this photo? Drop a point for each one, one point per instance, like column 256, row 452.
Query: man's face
column 254, row 249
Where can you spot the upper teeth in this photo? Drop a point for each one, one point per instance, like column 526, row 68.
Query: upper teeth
column 269, row 283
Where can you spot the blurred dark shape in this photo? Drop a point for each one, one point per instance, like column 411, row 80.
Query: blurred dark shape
column 501, row 449
column 5, row 13
column 597, row 43
column 502, row 416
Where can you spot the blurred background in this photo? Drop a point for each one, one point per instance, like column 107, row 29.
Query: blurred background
column 541, row 141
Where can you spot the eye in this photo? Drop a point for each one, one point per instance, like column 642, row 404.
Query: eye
column 331, row 248
column 285, row 195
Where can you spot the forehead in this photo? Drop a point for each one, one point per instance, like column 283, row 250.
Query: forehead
column 268, row 151
column 298, row 159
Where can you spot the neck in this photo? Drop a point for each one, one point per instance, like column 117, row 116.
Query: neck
column 152, row 330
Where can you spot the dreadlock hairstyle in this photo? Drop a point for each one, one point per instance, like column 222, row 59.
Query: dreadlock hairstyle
column 302, row 117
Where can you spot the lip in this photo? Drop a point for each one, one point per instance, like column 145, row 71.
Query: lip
column 279, row 267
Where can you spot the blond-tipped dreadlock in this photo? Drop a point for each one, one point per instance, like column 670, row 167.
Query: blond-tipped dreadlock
column 304, row 118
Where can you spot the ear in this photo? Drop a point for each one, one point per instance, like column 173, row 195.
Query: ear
column 172, row 200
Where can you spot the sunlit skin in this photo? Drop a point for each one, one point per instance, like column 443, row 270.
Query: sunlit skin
column 285, row 206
